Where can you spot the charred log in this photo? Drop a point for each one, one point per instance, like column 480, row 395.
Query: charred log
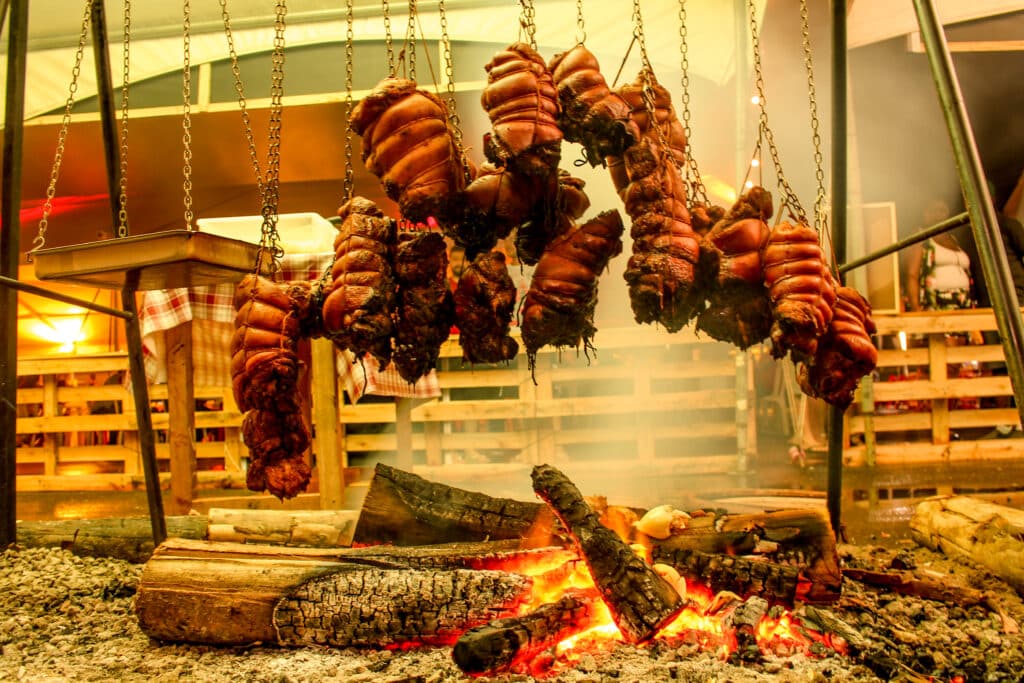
column 505, row 643
column 746, row 577
column 640, row 601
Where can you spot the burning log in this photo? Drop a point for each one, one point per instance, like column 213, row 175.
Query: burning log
column 237, row 594
column 743, row 621
column 778, row 582
column 800, row 538
column 504, row 643
column 986, row 534
column 641, row 602
column 404, row 509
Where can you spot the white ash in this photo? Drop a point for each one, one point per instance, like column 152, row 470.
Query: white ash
column 69, row 618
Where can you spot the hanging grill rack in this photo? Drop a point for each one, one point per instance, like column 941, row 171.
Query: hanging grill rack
column 158, row 260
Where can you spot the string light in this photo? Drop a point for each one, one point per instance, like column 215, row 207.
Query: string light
column 756, row 99
column 754, row 163
column 749, row 184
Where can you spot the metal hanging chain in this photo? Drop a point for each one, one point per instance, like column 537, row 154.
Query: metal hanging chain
column 271, row 186
column 691, row 171
column 527, row 21
column 581, row 29
column 449, row 75
column 186, row 120
column 388, row 40
column 789, row 199
column 240, row 90
column 349, row 184
column 647, row 76
column 820, row 200
column 122, row 214
column 62, row 136
column 410, row 41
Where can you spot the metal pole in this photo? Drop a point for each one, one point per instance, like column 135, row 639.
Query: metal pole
column 63, row 298
column 920, row 236
column 834, row 488
column 10, row 253
column 108, row 124
column 136, row 363
column 984, row 223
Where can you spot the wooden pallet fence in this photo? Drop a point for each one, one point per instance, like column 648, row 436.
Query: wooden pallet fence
column 933, row 401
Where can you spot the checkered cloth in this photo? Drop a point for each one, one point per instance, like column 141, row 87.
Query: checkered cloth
column 211, row 310
column 212, row 306
column 363, row 378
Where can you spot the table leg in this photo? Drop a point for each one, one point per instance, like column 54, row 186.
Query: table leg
column 181, row 417
column 326, row 443
column 403, row 433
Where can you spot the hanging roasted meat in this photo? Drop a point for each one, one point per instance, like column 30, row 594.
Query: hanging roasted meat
column 738, row 309
column 801, row 289
column 703, row 216
column 425, row 311
column 484, row 300
column 559, row 307
column 408, row 144
column 844, row 355
column 522, row 103
column 549, row 220
column 591, row 114
column 497, row 201
column 357, row 310
column 665, row 284
column 269, row 321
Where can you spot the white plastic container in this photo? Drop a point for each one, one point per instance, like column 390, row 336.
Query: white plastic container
column 299, row 233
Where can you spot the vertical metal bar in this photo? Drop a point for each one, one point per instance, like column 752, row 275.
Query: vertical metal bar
column 834, row 488
column 144, row 420
column 108, row 123
column 10, row 252
column 984, row 223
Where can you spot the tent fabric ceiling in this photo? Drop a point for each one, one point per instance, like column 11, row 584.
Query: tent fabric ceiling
column 156, row 47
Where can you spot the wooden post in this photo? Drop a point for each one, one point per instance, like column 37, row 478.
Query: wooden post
column 330, row 464
column 403, row 433
column 181, row 417
column 644, row 421
column 51, row 408
column 867, row 408
column 937, row 375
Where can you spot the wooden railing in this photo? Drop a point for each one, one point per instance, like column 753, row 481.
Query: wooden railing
column 645, row 395
column 937, row 400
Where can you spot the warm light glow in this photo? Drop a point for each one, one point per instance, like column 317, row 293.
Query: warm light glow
column 749, row 184
column 65, row 332
column 756, row 99
column 755, row 163
column 903, row 340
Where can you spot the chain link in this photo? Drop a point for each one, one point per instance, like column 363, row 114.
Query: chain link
column 62, row 136
column 388, row 40
column 240, row 90
column 410, row 40
column 527, row 20
column 449, row 76
column 122, row 213
column 820, row 200
column 691, row 171
column 186, row 120
column 271, row 186
column 581, row 29
column 790, row 199
column 647, row 76
column 349, row 184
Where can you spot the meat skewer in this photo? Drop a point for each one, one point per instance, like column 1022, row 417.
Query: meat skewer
column 844, row 355
column 738, row 308
column 408, row 144
column 591, row 114
column 484, row 300
column 425, row 310
column 264, row 372
column 522, row 103
column 559, row 307
column 801, row 289
column 357, row 310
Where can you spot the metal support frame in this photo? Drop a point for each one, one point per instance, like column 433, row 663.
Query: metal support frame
column 834, row 488
column 945, row 226
column 10, row 250
column 984, row 222
column 10, row 238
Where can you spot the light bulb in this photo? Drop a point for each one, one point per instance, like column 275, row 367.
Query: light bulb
column 755, row 163
column 756, row 99
column 749, row 184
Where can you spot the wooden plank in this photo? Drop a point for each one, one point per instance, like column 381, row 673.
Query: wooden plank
column 915, row 453
column 51, row 407
column 326, row 441
column 182, row 421
column 433, row 443
column 51, row 365
column 950, row 388
column 937, row 373
column 403, row 433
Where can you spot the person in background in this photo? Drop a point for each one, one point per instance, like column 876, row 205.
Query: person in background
column 939, row 270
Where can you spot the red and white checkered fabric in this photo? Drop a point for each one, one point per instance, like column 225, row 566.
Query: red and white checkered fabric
column 362, row 378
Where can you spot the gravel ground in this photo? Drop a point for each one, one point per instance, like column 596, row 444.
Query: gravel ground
column 69, row 618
